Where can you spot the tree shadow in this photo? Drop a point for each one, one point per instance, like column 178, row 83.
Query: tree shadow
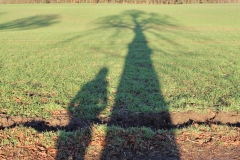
column 32, row 22
column 139, row 86
column 139, row 90
column 138, row 99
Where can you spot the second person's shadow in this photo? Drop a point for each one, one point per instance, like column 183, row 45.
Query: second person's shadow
column 87, row 103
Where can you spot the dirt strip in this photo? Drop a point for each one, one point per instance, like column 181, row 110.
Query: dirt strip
column 164, row 120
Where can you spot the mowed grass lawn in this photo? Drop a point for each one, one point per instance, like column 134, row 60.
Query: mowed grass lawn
column 54, row 56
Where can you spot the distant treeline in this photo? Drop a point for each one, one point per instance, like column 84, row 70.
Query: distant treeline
column 121, row 1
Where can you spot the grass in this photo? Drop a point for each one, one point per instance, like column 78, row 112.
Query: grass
column 83, row 56
column 95, row 60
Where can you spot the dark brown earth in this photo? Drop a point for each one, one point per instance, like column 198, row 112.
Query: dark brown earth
column 213, row 143
column 203, row 144
column 64, row 120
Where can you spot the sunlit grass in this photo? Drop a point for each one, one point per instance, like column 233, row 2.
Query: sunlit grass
column 43, row 65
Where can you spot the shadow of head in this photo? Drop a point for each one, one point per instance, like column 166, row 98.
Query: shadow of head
column 92, row 97
column 32, row 22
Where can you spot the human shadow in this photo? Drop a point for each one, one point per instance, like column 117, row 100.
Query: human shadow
column 32, row 22
column 88, row 103
column 92, row 98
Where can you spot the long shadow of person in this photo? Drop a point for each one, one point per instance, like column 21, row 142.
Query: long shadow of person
column 88, row 103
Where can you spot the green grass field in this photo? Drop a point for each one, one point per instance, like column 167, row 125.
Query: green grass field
column 139, row 58
column 97, row 60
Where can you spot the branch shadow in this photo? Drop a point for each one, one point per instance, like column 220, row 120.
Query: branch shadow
column 32, row 22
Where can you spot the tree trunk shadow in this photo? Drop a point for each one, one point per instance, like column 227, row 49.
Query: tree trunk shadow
column 139, row 90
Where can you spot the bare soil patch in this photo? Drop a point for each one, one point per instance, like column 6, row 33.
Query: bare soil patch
column 64, row 120
column 213, row 143
column 204, row 144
